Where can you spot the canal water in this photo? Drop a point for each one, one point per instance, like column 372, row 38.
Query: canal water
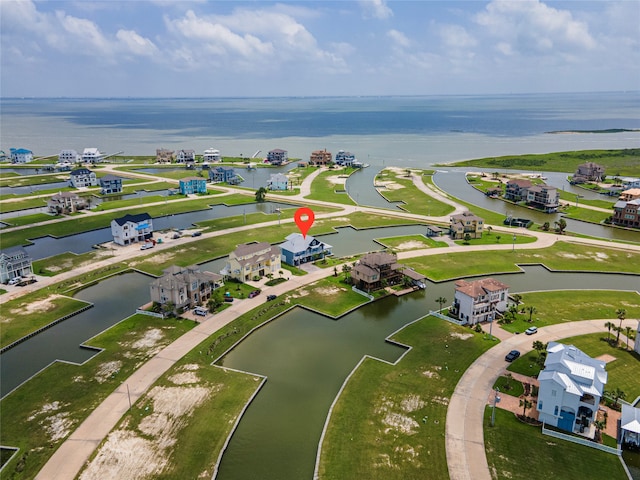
column 306, row 358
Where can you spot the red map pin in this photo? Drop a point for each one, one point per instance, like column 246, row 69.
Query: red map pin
column 304, row 218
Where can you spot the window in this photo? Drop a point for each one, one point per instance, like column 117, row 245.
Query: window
column 540, row 405
column 555, row 410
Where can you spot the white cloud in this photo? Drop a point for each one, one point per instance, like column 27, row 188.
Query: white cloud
column 533, row 27
column 135, row 44
column 455, row 36
column 86, row 33
column 376, row 9
column 399, row 38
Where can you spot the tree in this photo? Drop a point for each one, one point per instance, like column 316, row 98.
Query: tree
column 441, row 301
column 546, row 226
column 621, row 313
column 539, row 347
column 560, row 225
column 531, row 309
column 261, row 195
column 517, row 298
column 628, row 330
column 617, row 395
column 495, row 175
column 168, row 308
column 525, row 404
column 497, row 238
column 335, row 271
column 467, row 237
column 489, row 229
column 346, row 269
column 609, row 326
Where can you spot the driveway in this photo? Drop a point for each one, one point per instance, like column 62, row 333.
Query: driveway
column 466, row 455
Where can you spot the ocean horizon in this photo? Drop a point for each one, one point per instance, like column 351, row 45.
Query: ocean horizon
column 411, row 130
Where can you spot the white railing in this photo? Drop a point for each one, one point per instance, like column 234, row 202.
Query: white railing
column 581, row 441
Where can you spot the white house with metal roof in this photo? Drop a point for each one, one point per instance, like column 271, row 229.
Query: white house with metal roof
column 21, row 155
column 630, row 425
column 571, row 386
column 132, row 228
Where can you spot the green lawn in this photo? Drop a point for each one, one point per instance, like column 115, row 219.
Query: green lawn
column 132, row 202
column 410, row 242
column 330, row 296
column 570, row 305
column 616, row 162
column 31, row 219
column 39, row 415
column 519, row 451
column 509, row 386
column 496, row 239
column 324, row 189
column 389, row 422
column 22, row 204
column 561, row 256
column 402, row 189
column 585, row 214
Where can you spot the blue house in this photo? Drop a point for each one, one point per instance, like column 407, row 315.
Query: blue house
column 298, row 249
column 21, row 155
column 278, row 181
column 110, row 184
column 191, row 185
column 224, row 175
column 345, row 158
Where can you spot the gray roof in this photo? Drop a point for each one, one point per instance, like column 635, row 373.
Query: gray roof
column 296, row 243
column 140, row 217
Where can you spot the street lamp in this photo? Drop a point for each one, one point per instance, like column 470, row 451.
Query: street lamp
column 496, row 400
column 514, row 243
column 578, row 197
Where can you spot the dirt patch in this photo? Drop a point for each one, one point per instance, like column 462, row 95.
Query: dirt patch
column 440, row 400
column 327, row 291
column 430, row 374
column 39, row 306
column 462, row 336
column 105, row 370
column 129, row 455
column 337, row 180
column 149, row 340
column 389, row 185
column 411, row 245
column 411, row 403
column 606, row 358
column 184, row 378
column 400, row 423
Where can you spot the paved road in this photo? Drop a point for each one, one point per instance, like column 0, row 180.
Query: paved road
column 466, row 457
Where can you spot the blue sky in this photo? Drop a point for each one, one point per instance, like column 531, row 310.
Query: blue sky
column 161, row 48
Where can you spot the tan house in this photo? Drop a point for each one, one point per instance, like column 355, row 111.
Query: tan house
column 479, row 301
column 66, row 202
column 544, row 198
column 630, row 194
column 321, row 157
column 185, row 287
column 164, row 156
column 252, row 260
column 376, row 270
column 588, row 172
column 516, row 190
column 465, row 223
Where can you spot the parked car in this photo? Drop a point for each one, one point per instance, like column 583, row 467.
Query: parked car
column 512, row 355
column 271, row 297
column 200, row 311
column 146, row 246
column 228, row 299
column 255, row 293
column 176, row 236
column 196, row 234
column 15, row 280
column 531, row 330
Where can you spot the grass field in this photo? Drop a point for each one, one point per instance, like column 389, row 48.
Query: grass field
column 389, row 422
column 330, row 296
column 410, row 242
column 616, row 162
column 519, row 451
column 39, row 415
column 326, row 185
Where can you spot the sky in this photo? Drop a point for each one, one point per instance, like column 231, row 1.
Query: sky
column 161, row 48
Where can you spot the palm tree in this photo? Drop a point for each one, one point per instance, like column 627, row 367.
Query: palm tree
column 561, row 225
column 525, row 404
column 261, row 194
column 517, row 298
column 609, row 326
column 617, row 395
column 441, row 301
column 621, row 313
column 489, row 228
column 531, row 309
column 546, row 226
column 497, row 238
column 539, row 347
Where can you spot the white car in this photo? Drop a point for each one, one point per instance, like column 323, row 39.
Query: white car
column 146, row 246
column 531, row 330
column 15, row 280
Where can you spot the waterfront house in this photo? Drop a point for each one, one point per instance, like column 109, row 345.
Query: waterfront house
column 588, row 172
column 434, row 231
column 82, row 177
column 299, row 249
column 345, row 159
column 321, row 157
column 278, row 181
column 479, row 300
column 110, row 184
column 277, row 156
column 224, row 175
column 184, row 287
column 516, row 189
column 630, row 426
column 543, row 197
column 14, row 262
column 164, row 155
column 69, row 156
column 253, row 260
column 132, row 228
column 66, row 202
column 211, row 155
column 376, row 270
column 191, row 185
column 571, row 386
column 464, row 224
column 630, row 194
column 21, row 155
column 183, row 156
column 92, row 155
column 626, row 214
column 630, row 182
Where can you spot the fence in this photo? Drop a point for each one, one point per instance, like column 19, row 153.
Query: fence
column 581, row 441
column 364, row 294
column 151, row 314
column 446, row 317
